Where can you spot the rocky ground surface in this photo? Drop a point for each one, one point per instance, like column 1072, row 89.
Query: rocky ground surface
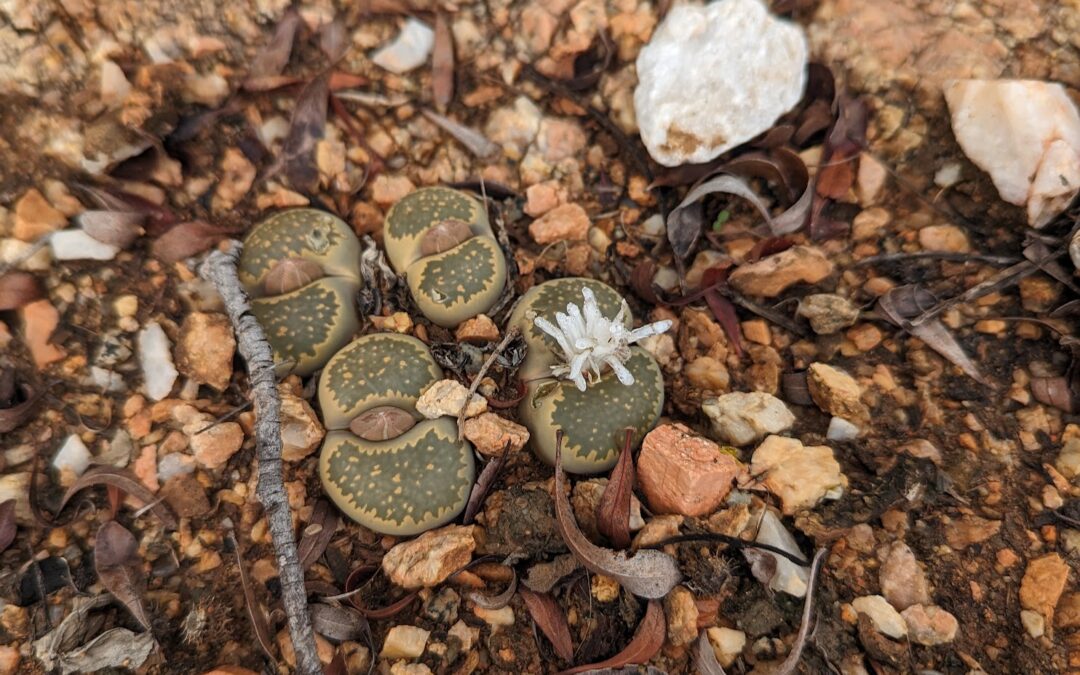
column 947, row 506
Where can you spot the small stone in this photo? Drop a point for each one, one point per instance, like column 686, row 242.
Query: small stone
column 865, row 337
column 1067, row 614
column 742, row 418
column 387, row 190
column 947, row 238
column 799, row 475
column 559, row 139
column 404, row 642
column 206, row 349
column 922, row 449
column 1033, row 623
column 16, row 486
column 489, row 433
column 1026, row 135
column 968, row 530
column 39, row 319
column 828, row 313
column 73, row 458
column 886, row 619
column 408, row 51
column 174, row 464
column 210, row 90
column 903, row 582
column 541, row 198
column 465, row 634
column 35, row 217
column 789, row 578
column 215, row 446
column 514, row 127
column 657, row 529
column 842, row 430
column 114, row 84
column 126, row 306
column 604, row 589
column 1044, row 580
column 870, row 179
column 429, row 559
column 237, row 175
column 301, row 430
column 78, row 245
column 477, row 330
column 757, row 331
column 870, row 224
column 447, row 397
column 683, row 473
column 9, row 660
column 772, row 275
column 733, row 57
column 836, row 392
column 929, row 625
column 185, row 496
column 567, row 222
column 708, row 374
column 496, row 618
column 682, row 616
column 727, row 644
column 155, row 357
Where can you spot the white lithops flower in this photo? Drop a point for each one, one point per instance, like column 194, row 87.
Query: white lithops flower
column 590, row 341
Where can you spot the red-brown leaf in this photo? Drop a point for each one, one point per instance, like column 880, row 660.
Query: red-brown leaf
column 124, row 480
column 7, row 524
column 318, row 533
column 646, row 643
column 648, row 573
column 273, row 57
column 116, row 228
column 307, row 126
column 119, row 568
column 442, row 64
column 18, row 289
column 185, row 240
column 254, row 609
column 727, row 317
column 483, row 485
column 552, row 621
column 613, row 513
column 17, row 403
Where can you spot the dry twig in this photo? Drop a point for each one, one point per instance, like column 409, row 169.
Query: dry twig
column 507, row 339
column 220, row 269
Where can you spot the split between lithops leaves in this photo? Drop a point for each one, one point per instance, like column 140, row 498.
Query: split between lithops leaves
column 301, row 268
column 593, row 420
column 440, row 239
column 381, row 463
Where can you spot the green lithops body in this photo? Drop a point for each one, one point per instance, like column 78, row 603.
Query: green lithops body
column 306, row 324
column 405, row 484
column 594, row 420
column 451, row 279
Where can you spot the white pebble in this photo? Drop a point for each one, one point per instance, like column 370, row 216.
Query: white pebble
column 73, row 456
column 78, row 245
column 841, row 430
column 155, row 356
column 409, row 50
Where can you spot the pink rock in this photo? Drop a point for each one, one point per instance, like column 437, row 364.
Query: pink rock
column 930, row 625
column 681, row 472
column 903, row 582
column 40, row 319
column 490, row 434
column 542, row 197
column 567, row 222
column 213, row 447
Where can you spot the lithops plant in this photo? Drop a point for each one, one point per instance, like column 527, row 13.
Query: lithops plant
column 301, row 268
column 440, row 239
column 381, row 463
column 582, row 375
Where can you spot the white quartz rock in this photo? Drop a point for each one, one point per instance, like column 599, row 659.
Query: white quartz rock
column 740, row 418
column 713, row 77
column 155, row 356
column 789, row 578
column 73, row 456
column 1026, row 135
column 409, row 50
column 78, row 245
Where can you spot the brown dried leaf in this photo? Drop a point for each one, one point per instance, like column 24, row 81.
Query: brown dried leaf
column 542, row 577
column 273, row 57
column 483, row 485
column 649, row 574
column 307, row 126
column 338, row 623
column 185, row 240
column 318, row 533
column 333, row 40
column 337, row 664
column 497, row 601
column 646, row 643
column 705, row 657
column 119, row 568
column 796, row 389
column 117, row 228
column 552, row 622
column 791, row 663
column 442, row 64
column 7, row 524
column 254, row 609
column 613, row 513
column 1053, row 391
column 473, row 140
column 124, row 480
column 685, row 221
column 18, row 289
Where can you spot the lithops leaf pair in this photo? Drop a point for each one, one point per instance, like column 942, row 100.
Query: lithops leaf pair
column 301, row 268
column 440, row 239
column 593, row 420
column 381, row 463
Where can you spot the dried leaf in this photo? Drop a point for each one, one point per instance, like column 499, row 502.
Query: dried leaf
column 18, row 289
column 497, row 601
column 72, row 631
column 254, row 609
column 337, row 664
column 317, row 535
column 542, row 577
column 724, row 312
column 473, row 140
column 442, row 63
column 158, row 218
column 552, row 622
column 115, row 648
column 796, row 389
column 353, row 585
column 338, row 623
column 333, row 40
column 934, row 333
column 685, row 221
column 705, row 657
column 649, row 574
column 116, row 228
column 307, row 126
column 791, row 663
column 613, row 513
column 116, row 559
column 185, row 240
column 763, row 565
column 126, row 481
column 8, row 526
column 1053, row 391
column 641, row 280
column 483, row 485
column 646, row 643
column 273, row 57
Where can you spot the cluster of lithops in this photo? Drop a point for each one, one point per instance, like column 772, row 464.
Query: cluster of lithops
column 301, row 268
column 381, row 463
column 593, row 420
column 440, row 239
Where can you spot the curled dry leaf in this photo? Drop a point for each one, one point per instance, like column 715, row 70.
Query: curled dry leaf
column 473, row 140
column 338, row 623
column 551, row 619
column 791, row 663
column 272, row 58
column 442, row 63
column 126, row 481
column 483, row 485
column 318, row 533
column 354, row 584
column 542, row 577
column 7, row 524
column 116, row 559
column 685, row 221
column 116, row 228
column 705, row 657
column 18, row 289
column 251, row 604
column 307, row 126
column 646, row 643
column 333, row 40
column 613, row 513
column 649, row 574
column 184, row 240
column 497, row 601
